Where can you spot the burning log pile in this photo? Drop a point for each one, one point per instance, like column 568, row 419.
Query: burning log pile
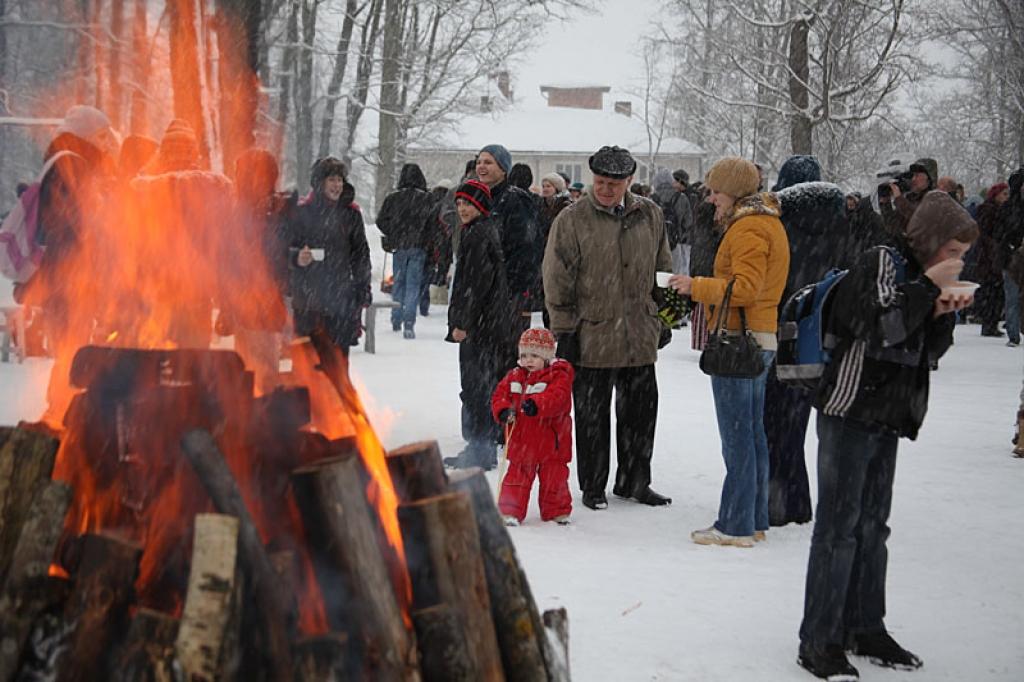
column 179, row 528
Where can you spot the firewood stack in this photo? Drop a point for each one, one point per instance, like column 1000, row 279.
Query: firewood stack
column 460, row 608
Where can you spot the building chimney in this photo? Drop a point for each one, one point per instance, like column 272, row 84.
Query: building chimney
column 485, row 104
column 624, row 107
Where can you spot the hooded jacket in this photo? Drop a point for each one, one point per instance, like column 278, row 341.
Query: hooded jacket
column 814, row 216
column 755, row 252
column 888, row 337
column 1010, row 222
column 675, row 206
column 546, row 436
column 339, row 284
column 480, row 303
column 599, row 276
column 407, row 218
column 514, row 215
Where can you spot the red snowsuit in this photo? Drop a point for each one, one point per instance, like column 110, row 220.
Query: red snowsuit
column 538, row 445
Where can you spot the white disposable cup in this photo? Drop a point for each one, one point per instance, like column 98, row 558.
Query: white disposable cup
column 662, row 278
column 318, row 254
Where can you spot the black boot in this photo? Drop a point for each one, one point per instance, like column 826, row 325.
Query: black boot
column 595, row 500
column 827, row 662
column 647, row 496
column 881, row 649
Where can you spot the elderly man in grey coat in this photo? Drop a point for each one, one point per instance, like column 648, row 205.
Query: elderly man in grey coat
column 599, row 268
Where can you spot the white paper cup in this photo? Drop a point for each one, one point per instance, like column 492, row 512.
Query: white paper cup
column 318, row 254
column 662, row 278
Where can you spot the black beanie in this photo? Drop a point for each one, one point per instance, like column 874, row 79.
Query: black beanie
column 476, row 193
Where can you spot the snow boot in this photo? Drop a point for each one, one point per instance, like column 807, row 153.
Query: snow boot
column 595, row 501
column 881, row 649
column 510, row 521
column 562, row 520
column 827, row 663
column 1018, row 449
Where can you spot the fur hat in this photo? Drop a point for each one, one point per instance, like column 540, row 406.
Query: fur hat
column 612, row 162
column 476, row 193
column 179, row 149
column 681, row 176
column 734, row 176
column 325, row 168
column 556, row 180
column 501, row 156
column 538, row 341
column 938, row 219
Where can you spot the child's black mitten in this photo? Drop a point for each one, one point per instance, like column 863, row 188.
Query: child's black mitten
column 530, row 408
column 505, row 415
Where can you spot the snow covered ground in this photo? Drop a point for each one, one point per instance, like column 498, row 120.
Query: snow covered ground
column 647, row 604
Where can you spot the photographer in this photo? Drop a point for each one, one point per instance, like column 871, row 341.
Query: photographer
column 905, row 192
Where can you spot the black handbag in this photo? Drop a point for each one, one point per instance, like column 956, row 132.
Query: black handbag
column 731, row 355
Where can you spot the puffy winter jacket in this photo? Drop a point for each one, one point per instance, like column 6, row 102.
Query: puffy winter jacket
column 480, row 303
column 514, row 214
column 547, row 435
column 407, row 218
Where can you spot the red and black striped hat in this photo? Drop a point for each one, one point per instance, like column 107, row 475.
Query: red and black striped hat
column 476, row 193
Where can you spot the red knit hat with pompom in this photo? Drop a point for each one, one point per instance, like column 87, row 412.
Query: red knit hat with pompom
column 538, row 341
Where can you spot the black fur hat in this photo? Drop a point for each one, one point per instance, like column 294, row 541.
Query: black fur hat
column 613, row 162
column 325, row 168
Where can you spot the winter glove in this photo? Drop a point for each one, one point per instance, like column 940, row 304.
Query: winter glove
column 530, row 408
column 568, row 347
column 506, row 415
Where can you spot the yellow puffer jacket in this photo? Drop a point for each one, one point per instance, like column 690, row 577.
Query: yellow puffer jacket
column 754, row 251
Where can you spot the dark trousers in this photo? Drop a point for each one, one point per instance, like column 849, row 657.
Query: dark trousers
column 636, row 414
column 481, row 367
column 787, row 411
column 845, row 590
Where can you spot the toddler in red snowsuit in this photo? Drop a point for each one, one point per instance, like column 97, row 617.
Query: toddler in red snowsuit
column 533, row 401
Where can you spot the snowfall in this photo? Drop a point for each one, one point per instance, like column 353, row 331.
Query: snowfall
column 645, row 603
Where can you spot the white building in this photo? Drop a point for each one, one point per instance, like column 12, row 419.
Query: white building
column 556, row 131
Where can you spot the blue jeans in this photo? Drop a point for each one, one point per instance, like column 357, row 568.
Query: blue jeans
column 739, row 407
column 1011, row 307
column 845, row 590
column 408, row 269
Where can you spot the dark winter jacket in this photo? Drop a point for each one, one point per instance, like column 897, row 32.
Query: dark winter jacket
column 514, row 215
column 547, row 435
column 1010, row 223
column 338, row 285
column 480, row 302
column 889, row 341
column 675, row 207
column 704, row 241
column 408, row 217
column 814, row 216
column 866, row 230
column 986, row 249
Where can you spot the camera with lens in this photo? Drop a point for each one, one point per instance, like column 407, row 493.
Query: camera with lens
column 901, row 180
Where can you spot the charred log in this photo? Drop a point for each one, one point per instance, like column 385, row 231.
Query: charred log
column 444, row 650
column 322, row 659
column 147, row 653
column 26, row 463
column 556, row 647
column 417, row 471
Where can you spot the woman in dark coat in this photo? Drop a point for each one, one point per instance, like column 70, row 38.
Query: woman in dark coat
column 480, row 320
column 330, row 260
column 814, row 215
column 988, row 301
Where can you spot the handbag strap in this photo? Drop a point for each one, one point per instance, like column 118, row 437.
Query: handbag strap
column 720, row 322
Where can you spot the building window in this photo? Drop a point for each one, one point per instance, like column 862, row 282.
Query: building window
column 573, row 170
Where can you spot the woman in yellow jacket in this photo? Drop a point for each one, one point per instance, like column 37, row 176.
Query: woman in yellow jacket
column 754, row 254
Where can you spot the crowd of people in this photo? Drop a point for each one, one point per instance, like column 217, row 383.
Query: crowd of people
column 586, row 258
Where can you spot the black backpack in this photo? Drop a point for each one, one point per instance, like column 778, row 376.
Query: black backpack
column 668, row 211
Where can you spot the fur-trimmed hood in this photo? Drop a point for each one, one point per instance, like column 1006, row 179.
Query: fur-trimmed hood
column 763, row 203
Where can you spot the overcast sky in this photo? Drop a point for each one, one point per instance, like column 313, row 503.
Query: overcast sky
column 600, row 46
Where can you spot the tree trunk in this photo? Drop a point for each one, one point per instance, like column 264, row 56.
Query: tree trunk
column 390, row 104
column 367, row 46
column 303, row 92
column 337, row 77
column 799, row 97
column 270, row 603
column 114, row 63
column 186, row 80
column 342, row 530
column 141, row 70
column 516, row 618
column 24, row 595
column 442, row 547
column 285, row 84
column 97, row 609
column 237, row 29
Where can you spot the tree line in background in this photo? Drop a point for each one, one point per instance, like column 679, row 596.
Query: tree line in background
column 851, row 81
column 295, row 76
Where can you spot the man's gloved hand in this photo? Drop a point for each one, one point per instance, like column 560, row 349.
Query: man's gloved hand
column 529, row 408
column 568, row 347
column 506, row 415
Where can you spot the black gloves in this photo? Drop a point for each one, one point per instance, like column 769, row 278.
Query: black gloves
column 568, row 347
column 529, row 408
column 505, row 415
